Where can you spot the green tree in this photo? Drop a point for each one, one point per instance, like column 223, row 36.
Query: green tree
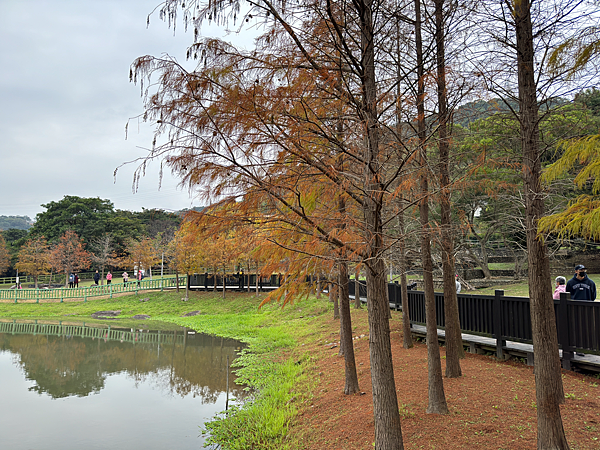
column 158, row 221
column 85, row 216
column 18, row 222
column 582, row 216
column 14, row 239
column 590, row 98
column 4, row 255
column 90, row 218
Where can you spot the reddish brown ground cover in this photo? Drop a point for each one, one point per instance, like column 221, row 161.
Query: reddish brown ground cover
column 491, row 407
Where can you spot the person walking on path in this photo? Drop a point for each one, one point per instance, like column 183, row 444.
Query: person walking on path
column 458, row 285
column 76, row 280
column 108, row 278
column 125, row 278
column 581, row 287
column 71, row 280
column 96, row 278
column 140, row 276
column 560, row 287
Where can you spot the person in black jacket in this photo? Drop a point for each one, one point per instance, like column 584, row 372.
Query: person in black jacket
column 580, row 286
column 96, row 278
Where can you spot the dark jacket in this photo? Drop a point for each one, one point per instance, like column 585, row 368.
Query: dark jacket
column 96, row 277
column 581, row 289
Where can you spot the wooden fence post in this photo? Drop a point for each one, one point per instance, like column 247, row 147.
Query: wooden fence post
column 497, row 323
column 563, row 330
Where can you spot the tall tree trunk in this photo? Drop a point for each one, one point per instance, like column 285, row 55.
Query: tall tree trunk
column 407, row 341
column 318, row 285
column 454, row 348
column 346, row 344
column 548, row 381
column 437, row 398
column 224, row 280
column 187, row 286
column 357, row 302
column 388, row 430
column 334, row 296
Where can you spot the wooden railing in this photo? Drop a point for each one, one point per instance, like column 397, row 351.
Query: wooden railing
column 107, row 333
column 83, row 293
column 508, row 318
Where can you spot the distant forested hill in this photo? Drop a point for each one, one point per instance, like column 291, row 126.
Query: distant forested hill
column 17, row 222
column 481, row 109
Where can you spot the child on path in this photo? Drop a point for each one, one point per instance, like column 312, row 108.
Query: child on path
column 108, row 278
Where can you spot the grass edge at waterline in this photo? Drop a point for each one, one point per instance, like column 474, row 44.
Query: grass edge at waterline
column 273, row 365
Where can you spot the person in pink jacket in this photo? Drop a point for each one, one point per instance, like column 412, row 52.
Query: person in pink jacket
column 561, row 286
column 108, row 278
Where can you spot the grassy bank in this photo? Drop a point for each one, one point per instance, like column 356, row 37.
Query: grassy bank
column 273, row 365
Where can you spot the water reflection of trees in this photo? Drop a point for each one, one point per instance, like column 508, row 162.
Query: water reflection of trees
column 63, row 366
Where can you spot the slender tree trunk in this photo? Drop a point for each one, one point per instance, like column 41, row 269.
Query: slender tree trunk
column 187, row 286
column 224, row 280
column 334, row 297
column 346, row 344
column 357, row 302
column 407, row 341
column 249, row 269
column 388, row 430
column 257, row 278
column 548, row 381
column 318, row 285
column 454, row 348
column 437, row 398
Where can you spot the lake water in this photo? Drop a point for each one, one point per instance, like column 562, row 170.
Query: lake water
column 73, row 387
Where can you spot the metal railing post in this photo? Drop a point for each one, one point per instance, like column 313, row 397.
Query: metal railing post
column 564, row 338
column 497, row 323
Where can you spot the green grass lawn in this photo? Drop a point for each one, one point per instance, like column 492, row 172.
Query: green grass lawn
column 521, row 289
column 273, row 365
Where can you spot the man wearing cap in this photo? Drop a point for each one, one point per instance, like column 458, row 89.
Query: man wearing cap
column 580, row 286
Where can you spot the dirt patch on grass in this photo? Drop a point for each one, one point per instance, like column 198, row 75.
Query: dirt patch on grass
column 492, row 406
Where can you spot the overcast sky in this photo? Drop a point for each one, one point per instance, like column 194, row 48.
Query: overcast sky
column 65, row 99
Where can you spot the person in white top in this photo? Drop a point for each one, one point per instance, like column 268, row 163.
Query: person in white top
column 458, row 285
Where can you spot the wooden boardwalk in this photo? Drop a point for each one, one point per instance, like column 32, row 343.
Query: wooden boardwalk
column 483, row 345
